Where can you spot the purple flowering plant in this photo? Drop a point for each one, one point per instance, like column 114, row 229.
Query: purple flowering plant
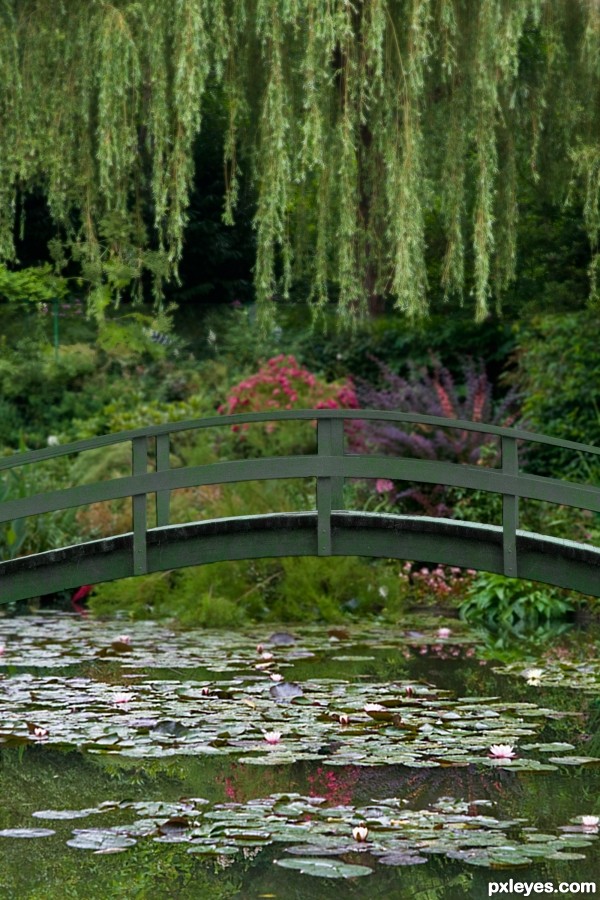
column 430, row 391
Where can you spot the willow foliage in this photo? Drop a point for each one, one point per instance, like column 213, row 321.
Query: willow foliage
column 358, row 119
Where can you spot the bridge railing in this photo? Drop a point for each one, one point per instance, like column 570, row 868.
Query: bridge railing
column 330, row 465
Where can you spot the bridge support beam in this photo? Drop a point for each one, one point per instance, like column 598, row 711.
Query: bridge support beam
column 510, row 508
column 163, row 498
column 330, row 491
column 139, row 466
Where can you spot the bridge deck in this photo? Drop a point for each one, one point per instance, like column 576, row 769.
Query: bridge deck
column 436, row 540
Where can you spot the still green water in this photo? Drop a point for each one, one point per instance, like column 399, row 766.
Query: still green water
column 136, row 765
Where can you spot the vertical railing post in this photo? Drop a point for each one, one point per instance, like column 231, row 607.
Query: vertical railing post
column 330, row 490
column 139, row 466
column 163, row 498
column 510, row 507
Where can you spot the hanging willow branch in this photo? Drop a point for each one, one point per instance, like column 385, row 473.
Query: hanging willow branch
column 357, row 119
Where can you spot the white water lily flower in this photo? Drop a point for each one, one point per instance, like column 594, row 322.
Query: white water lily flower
column 590, row 823
column 533, row 676
column 360, row 833
column 532, row 673
column 502, row 751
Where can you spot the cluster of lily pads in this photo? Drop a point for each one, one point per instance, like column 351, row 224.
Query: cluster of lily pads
column 324, row 840
column 577, row 675
column 257, row 714
column 59, row 641
column 273, row 723
column 238, row 698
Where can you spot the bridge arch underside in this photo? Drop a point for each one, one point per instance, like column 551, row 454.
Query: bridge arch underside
column 433, row 540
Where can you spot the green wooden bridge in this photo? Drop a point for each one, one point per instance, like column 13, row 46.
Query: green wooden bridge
column 328, row 530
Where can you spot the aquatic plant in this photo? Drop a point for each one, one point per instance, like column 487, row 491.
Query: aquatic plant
column 502, row 751
column 360, row 833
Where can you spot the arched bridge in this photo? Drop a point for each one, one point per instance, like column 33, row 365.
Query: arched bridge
column 328, row 530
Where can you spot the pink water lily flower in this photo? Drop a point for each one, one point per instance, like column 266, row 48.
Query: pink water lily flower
column 590, row 823
column 502, row 751
column 360, row 833
column 123, row 639
column 444, row 632
column 275, row 676
column 2, row 649
column 40, row 732
column 272, row 737
column 122, row 698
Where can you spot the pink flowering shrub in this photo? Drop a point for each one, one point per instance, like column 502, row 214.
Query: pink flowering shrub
column 282, row 383
column 443, row 584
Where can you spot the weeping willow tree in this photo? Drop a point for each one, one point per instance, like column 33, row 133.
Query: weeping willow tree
column 356, row 120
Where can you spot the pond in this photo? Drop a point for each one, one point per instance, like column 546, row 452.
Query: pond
column 414, row 761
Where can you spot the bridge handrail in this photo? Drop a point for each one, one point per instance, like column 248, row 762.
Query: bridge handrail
column 309, row 465
column 106, row 440
column 330, row 465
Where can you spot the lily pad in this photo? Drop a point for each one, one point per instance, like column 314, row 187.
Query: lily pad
column 26, row 832
column 98, row 839
column 64, row 813
column 282, row 639
column 324, row 868
column 575, row 760
column 286, row 690
column 401, row 859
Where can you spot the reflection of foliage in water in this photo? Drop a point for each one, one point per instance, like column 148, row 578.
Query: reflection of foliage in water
column 138, row 875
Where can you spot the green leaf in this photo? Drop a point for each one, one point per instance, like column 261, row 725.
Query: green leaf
column 324, row 868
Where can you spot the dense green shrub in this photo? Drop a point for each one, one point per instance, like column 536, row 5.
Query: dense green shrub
column 37, row 533
column 301, row 590
column 232, row 336
column 42, row 394
column 31, row 285
column 399, row 343
column 498, row 601
column 558, row 377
